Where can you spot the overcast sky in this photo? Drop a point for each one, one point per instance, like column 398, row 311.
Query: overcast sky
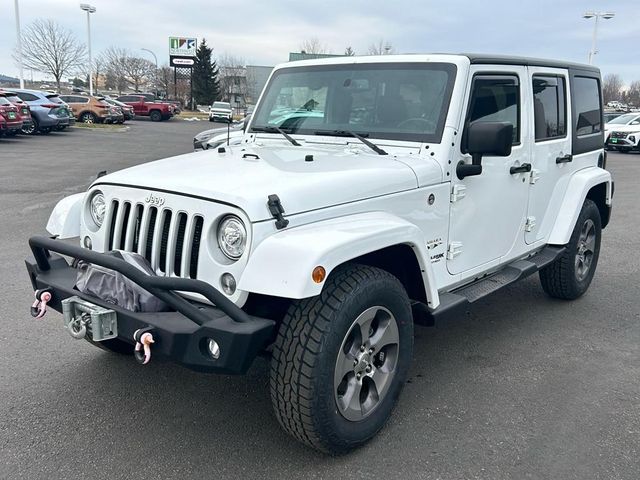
column 264, row 32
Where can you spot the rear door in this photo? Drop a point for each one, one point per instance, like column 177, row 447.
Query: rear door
column 551, row 158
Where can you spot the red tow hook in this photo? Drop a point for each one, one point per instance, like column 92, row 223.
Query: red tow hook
column 142, row 350
column 39, row 307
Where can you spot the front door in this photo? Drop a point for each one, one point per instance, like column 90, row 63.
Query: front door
column 488, row 210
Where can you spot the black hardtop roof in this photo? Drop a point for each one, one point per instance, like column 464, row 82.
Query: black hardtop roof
column 478, row 58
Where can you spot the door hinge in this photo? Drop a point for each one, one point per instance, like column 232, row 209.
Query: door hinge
column 534, row 176
column 458, row 192
column 530, row 224
column 453, row 250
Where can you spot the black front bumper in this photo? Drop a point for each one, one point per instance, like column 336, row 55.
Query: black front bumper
column 182, row 334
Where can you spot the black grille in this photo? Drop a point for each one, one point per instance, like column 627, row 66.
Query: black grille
column 619, row 135
column 195, row 249
column 170, row 242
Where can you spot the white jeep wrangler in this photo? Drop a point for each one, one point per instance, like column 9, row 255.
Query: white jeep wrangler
column 368, row 194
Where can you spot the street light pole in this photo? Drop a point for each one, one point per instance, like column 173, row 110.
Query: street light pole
column 597, row 16
column 155, row 77
column 89, row 9
column 19, row 45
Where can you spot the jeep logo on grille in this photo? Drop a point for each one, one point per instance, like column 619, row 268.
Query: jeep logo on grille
column 154, row 200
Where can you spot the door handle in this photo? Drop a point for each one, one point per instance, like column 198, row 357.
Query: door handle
column 525, row 167
column 566, row 159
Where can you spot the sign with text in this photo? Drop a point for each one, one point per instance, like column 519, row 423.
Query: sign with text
column 186, row 62
column 182, row 46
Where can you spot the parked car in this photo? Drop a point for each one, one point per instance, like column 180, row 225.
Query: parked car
column 127, row 110
column 47, row 111
column 321, row 241
column 24, row 112
column 90, row 109
column 200, row 141
column 156, row 111
column 65, row 109
column 220, row 111
column 616, row 123
column 9, row 112
column 3, row 126
column 624, row 138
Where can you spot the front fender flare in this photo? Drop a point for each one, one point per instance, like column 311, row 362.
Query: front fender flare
column 64, row 220
column 575, row 194
column 281, row 265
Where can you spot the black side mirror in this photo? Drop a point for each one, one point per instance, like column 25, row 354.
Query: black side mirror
column 485, row 138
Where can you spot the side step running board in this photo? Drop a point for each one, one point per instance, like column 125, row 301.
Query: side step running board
column 461, row 297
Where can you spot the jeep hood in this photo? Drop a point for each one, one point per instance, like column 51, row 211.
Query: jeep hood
column 246, row 175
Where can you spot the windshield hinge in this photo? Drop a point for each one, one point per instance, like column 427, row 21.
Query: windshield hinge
column 276, row 210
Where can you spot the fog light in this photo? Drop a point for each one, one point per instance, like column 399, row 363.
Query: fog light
column 87, row 242
column 228, row 283
column 632, row 139
column 214, row 349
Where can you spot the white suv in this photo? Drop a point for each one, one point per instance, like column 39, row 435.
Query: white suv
column 220, row 111
column 368, row 194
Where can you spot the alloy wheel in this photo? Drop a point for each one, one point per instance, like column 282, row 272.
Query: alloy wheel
column 586, row 248
column 366, row 363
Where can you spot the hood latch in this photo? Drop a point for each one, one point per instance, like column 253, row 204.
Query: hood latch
column 276, row 209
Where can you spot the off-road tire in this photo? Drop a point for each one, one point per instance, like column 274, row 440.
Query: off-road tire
column 155, row 115
column 115, row 345
column 306, row 350
column 561, row 279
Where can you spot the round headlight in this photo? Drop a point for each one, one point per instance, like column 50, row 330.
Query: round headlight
column 98, row 208
column 232, row 237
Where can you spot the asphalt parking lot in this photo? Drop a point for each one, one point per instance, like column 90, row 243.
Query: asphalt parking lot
column 521, row 387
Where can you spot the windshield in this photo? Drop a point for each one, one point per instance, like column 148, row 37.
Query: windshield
column 221, row 105
column 624, row 119
column 398, row 101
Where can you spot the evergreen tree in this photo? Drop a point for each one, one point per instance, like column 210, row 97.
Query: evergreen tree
column 206, row 87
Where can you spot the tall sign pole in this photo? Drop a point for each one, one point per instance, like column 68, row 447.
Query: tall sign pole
column 182, row 53
column 19, row 36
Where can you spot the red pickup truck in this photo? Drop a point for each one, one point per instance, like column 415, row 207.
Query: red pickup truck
column 156, row 111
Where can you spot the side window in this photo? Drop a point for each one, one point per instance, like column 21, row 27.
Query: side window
column 586, row 100
column 27, row 97
column 549, row 107
column 496, row 98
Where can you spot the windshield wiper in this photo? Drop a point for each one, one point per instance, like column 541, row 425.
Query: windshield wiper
column 278, row 130
column 348, row 133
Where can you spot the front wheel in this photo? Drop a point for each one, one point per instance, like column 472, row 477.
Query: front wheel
column 155, row 116
column 341, row 359
column 570, row 275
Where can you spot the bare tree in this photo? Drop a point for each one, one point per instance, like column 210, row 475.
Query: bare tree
column 382, row 47
column 138, row 70
column 99, row 64
column 349, row 52
column 313, row 46
column 612, row 87
column 115, row 71
column 632, row 95
column 52, row 49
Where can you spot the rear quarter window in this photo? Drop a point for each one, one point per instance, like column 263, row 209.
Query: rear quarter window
column 587, row 113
